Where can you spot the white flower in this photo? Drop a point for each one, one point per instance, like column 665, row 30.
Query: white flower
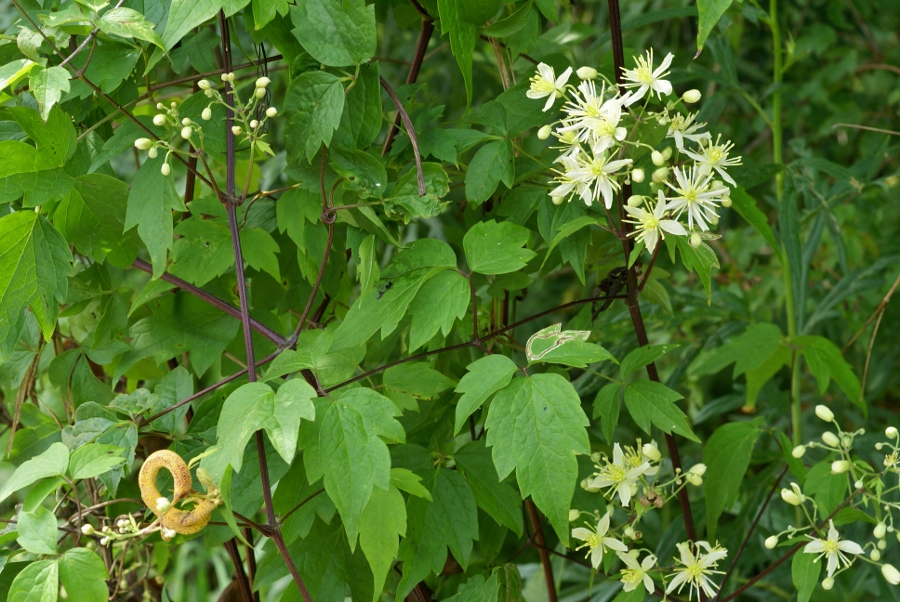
column 696, row 195
column 715, row 156
column 595, row 171
column 618, row 476
column 568, row 184
column 545, row 83
column 636, row 573
column 650, row 225
column 697, row 568
column 832, row 548
column 644, row 78
column 596, row 542
column 683, row 126
column 594, row 121
column 651, row 452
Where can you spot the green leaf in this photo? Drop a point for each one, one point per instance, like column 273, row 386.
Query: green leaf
column 261, row 251
column 463, row 34
column 828, row 489
column 37, row 531
column 492, row 164
column 94, row 459
column 313, row 104
column 92, row 218
column 497, row 498
column 727, row 456
column 606, row 408
column 204, row 250
column 536, row 426
column 51, row 463
column 710, row 12
column 362, row 109
column 746, row 206
column 84, row 575
column 805, row 572
column 484, row 377
column 439, row 303
column 511, row 24
column 185, row 15
column 336, row 33
column 651, row 402
column 826, row 362
column 405, row 200
column 13, row 71
column 288, row 362
column 368, row 269
column 579, row 354
column 383, row 523
column 477, row 589
column 748, row 351
column 418, row 379
column 700, row 260
column 410, row 482
column 255, row 406
column 363, row 174
column 151, row 200
column 642, row 356
column 451, row 520
column 635, row 595
column 354, row 459
column 496, row 248
column 56, row 137
column 227, row 504
column 47, row 85
column 38, row 582
column 25, row 170
column 35, row 263
column 129, row 23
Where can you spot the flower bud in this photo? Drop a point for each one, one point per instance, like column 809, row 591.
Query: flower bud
column 875, row 555
column 173, row 104
column 882, row 544
column 840, row 466
column 231, row 77
column 162, row 504
column 635, row 200
column 798, row 451
column 160, row 106
column 651, row 452
column 698, row 469
column 637, row 174
column 691, row 96
column 827, row 583
column 891, row 433
column 630, row 533
column 771, row 542
column 695, row 239
column 586, row 72
column 573, row 515
column 88, row 529
column 260, row 92
column 557, row 200
column 203, row 84
column 104, row 541
column 254, row 124
column 891, row 574
column 792, row 497
column 224, row 77
column 660, row 175
column 186, row 132
column 166, row 169
column 143, row 143
column 859, row 484
column 159, row 119
column 880, row 530
column 830, row 439
column 271, row 112
column 186, row 121
column 262, row 82
column 657, row 158
column 206, row 115
column 544, row 132
column 151, row 152
column 667, row 153
column 236, row 130
column 167, row 534
column 824, row 413
column 588, row 485
column 726, row 201
column 209, row 93
column 694, row 479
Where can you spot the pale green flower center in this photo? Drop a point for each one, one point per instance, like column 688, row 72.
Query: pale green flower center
column 616, row 473
column 632, row 575
column 831, row 546
column 593, row 541
column 539, row 84
column 715, row 154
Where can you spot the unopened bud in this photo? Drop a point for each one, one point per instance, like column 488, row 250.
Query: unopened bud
column 891, row 433
column 224, row 77
column 830, row 439
column 651, row 452
column 166, row 169
column 840, row 466
column 875, row 555
column 159, row 119
column 104, row 541
column 152, row 153
column 231, row 77
column 557, row 200
column 203, row 84
column 657, row 158
column 827, row 583
column 236, row 130
column 88, row 529
column 260, row 92
column 635, row 200
column 544, row 132
column 771, row 542
column 206, row 114
column 891, row 574
column 573, row 515
column 660, row 175
column 880, row 530
column 798, row 451
column 143, row 143
column 694, row 479
column 695, row 239
column 637, row 175
column 630, row 533
column 160, row 106
column 586, row 72
column 186, row 132
column 698, row 469
column 726, row 201
column 262, row 82
column 691, row 96
column 824, row 413
column 271, row 112
column 162, row 504
column 790, row 497
column 254, row 124
column 186, row 121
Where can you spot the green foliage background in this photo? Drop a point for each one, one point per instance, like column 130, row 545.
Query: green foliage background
column 95, row 343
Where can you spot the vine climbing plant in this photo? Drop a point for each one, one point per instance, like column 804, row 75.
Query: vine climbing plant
column 283, row 327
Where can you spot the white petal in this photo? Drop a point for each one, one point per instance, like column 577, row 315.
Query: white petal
column 596, row 556
column 725, row 176
column 624, row 490
column 662, row 87
column 615, row 544
column 614, row 166
column 603, row 525
column 672, row 227
column 850, row 547
column 546, row 72
column 651, row 237
column 664, row 65
column 550, row 101
column 581, row 533
column 832, row 564
column 816, row 546
column 563, row 78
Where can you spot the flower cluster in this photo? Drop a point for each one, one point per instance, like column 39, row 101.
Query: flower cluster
column 630, row 480
column 599, row 143
column 247, row 123
column 863, row 481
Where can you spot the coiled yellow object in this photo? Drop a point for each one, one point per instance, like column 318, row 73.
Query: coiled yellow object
column 174, row 519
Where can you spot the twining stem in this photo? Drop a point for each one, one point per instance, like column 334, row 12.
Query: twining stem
column 421, row 47
column 231, row 211
column 542, row 549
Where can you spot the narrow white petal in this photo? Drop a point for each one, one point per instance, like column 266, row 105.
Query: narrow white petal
column 546, row 72
column 850, row 547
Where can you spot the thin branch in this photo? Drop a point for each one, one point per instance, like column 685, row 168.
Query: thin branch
column 299, row 505
column 421, row 47
column 232, row 311
column 410, row 131
column 231, row 547
column 542, row 549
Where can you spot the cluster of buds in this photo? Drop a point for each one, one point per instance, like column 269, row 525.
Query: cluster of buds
column 841, row 553
column 597, row 130
column 125, row 527
column 169, row 118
